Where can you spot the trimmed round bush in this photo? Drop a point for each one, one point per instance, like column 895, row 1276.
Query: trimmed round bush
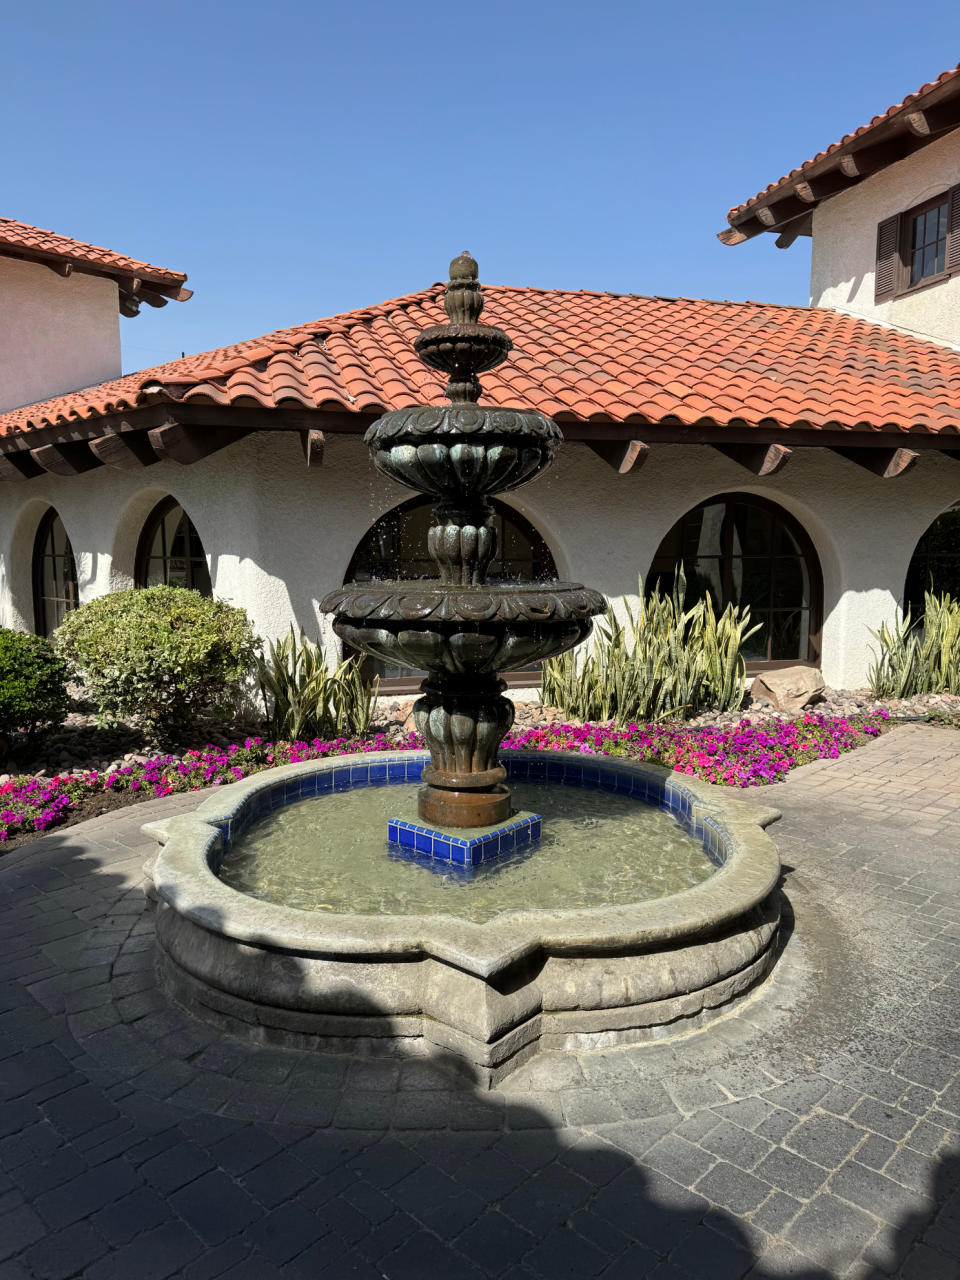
column 33, row 693
column 162, row 655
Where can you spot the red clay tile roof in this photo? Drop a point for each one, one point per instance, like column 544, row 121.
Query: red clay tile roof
column 597, row 357
column 20, row 238
column 912, row 101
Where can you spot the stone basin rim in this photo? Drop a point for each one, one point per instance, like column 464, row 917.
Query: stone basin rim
column 183, row 878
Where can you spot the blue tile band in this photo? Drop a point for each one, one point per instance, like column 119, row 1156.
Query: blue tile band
column 465, row 851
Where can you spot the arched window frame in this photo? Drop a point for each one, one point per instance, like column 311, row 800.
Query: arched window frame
column 151, row 526
column 923, row 562
column 70, row 598
column 391, row 566
column 807, row 550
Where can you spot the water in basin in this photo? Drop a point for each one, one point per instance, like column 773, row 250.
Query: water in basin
column 330, row 853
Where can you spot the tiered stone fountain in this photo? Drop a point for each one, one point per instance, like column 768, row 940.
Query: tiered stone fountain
column 461, row 629
column 284, row 914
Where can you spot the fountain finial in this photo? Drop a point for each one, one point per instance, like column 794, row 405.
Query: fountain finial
column 463, row 348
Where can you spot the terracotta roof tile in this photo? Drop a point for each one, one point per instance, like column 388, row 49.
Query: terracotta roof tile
column 21, row 239
column 912, row 101
column 686, row 359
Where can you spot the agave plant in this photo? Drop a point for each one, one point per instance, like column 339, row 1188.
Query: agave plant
column 303, row 698
column 918, row 656
column 660, row 661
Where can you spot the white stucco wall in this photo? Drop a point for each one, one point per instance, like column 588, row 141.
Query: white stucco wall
column 845, row 245
column 279, row 536
column 56, row 334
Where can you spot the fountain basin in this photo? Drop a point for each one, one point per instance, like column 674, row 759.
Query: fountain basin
column 494, row 992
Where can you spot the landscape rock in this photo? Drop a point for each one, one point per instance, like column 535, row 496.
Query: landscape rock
column 789, row 689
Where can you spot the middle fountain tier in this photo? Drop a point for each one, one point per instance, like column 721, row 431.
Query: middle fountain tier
column 460, row 629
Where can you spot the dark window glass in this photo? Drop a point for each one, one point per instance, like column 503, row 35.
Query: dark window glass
column 936, row 562
column 170, row 552
column 54, row 575
column 396, row 548
column 744, row 551
column 928, row 243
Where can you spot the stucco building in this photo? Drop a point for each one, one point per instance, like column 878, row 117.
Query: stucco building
column 803, row 460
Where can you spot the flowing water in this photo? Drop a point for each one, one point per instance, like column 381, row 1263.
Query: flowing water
column 331, row 854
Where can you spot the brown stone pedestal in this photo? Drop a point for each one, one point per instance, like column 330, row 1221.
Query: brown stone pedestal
column 442, row 807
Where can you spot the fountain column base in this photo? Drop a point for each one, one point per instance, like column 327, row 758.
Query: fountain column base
column 463, row 721
column 443, row 807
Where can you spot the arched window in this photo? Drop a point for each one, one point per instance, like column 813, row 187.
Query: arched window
column 936, row 562
column 395, row 547
column 170, row 552
column 748, row 551
column 54, row 574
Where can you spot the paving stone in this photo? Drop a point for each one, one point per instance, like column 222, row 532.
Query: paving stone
column 277, row 1179
column 175, row 1166
column 564, row 1253
column 889, row 1122
column 65, row 1253
column 875, row 1152
column 19, row 1228
column 496, row 1244
column 153, row 1256
column 874, row 1192
column 215, row 1207
column 831, row 1233
column 128, row 1217
column 776, row 1212
column 824, row 1139
column 85, row 1195
column 735, row 1144
column 679, row 1159
column 733, row 1188
column 791, row 1173
column 705, row 1255
column 286, row 1232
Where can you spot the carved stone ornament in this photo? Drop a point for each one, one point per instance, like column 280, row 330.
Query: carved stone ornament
column 461, row 629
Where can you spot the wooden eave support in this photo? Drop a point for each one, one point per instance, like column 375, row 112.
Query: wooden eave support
column 178, row 443
column 934, row 119
column 18, row 466
column 313, row 445
column 72, row 458
column 802, row 226
column 124, row 450
column 761, row 459
column 813, row 190
column 622, row 455
column 886, row 463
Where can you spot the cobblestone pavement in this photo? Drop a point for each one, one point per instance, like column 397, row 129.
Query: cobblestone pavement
column 813, row 1133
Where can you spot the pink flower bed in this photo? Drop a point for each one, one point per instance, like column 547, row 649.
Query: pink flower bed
column 744, row 755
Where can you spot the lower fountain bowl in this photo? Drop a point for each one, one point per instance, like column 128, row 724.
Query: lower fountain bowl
column 492, row 993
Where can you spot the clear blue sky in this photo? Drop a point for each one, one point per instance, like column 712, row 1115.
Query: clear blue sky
column 302, row 159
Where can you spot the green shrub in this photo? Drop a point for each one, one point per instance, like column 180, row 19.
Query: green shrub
column 33, row 694
column 303, row 698
column 921, row 656
column 163, row 655
column 663, row 661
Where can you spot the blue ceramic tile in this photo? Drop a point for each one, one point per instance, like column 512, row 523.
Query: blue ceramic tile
column 291, row 790
column 324, row 782
column 308, row 785
column 423, row 842
column 414, row 768
column 341, row 779
column 397, row 771
column 378, row 774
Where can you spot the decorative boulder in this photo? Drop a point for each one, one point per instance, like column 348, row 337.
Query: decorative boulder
column 790, row 688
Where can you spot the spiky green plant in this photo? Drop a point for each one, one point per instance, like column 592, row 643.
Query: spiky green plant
column 660, row 660
column 303, row 698
column 917, row 656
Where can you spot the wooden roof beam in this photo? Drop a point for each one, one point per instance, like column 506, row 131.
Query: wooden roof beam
column 18, row 466
column 935, row 119
column 813, row 190
column 177, row 443
column 798, row 227
column 868, row 160
column 124, row 450
column 313, row 445
column 761, row 459
column 622, row 455
column 886, row 463
column 71, row 458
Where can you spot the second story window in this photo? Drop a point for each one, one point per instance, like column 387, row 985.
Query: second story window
column 919, row 246
column 928, row 242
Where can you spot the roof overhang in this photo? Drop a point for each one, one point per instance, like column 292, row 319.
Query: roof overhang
column 187, row 433
column 786, row 207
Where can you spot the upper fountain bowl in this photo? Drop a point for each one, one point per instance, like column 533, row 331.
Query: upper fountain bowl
column 460, row 451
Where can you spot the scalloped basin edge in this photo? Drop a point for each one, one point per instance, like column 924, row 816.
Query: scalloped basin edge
column 490, row 993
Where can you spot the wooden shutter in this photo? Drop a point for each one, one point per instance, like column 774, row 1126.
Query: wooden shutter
column 888, row 258
column 953, row 229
